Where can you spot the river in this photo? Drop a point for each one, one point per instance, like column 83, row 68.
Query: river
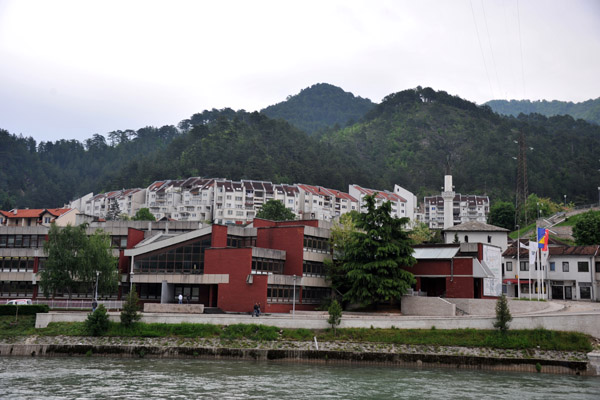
column 111, row 378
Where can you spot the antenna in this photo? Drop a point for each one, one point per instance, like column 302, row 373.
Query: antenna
column 522, row 186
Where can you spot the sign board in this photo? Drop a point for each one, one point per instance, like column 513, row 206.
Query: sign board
column 492, row 256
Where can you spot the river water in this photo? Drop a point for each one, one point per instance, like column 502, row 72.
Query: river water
column 117, row 378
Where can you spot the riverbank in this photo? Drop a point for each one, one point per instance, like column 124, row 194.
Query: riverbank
column 528, row 360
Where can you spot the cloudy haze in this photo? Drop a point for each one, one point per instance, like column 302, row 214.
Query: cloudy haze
column 69, row 69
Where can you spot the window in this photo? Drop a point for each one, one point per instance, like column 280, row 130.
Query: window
column 565, row 266
column 489, row 239
column 524, row 266
column 585, row 292
column 552, row 267
column 597, row 265
column 313, row 268
column 46, row 220
column 267, row 265
column 314, row 294
column 583, row 266
column 466, row 239
column 282, row 294
column 509, row 265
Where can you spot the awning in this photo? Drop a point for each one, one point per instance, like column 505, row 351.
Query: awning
column 514, row 281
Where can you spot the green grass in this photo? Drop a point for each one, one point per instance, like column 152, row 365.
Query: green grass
column 513, row 339
column 572, row 220
column 523, row 232
column 24, row 325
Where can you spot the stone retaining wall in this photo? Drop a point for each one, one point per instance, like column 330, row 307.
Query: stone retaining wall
column 174, row 308
column 295, row 355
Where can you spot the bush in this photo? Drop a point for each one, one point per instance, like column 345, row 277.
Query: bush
column 97, row 322
column 24, row 310
column 130, row 314
column 335, row 314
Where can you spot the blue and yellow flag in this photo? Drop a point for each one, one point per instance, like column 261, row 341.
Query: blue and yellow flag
column 542, row 238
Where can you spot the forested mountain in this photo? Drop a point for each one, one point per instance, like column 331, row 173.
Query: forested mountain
column 319, row 107
column 588, row 110
column 52, row 173
column 412, row 138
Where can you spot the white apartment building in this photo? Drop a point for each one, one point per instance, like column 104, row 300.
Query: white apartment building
column 128, row 200
column 399, row 204
column 317, row 202
column 411, row 202
column 465, row 208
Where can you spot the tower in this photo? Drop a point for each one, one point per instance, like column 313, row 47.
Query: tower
column 448, row 196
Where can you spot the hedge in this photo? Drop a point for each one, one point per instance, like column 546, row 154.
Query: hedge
column 24, row 310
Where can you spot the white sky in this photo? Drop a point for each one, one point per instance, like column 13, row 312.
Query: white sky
column 69, row 69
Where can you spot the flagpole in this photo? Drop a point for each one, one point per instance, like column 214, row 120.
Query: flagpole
column 518, row 269
column 539, row 288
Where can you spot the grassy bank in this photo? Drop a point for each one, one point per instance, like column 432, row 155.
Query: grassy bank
column 513, row 339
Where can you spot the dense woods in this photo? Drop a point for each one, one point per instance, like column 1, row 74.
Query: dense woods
column 412, row 138
column 587, row 110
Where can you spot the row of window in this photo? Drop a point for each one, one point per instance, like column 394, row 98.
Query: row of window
column 186, row 258
column 582, row 266
column 313, row 268
column 317, row 244
column 267, row 265
column 285, row 294
column 22, row 241
column 241, row 241
column 16, row 264
column 16, row 288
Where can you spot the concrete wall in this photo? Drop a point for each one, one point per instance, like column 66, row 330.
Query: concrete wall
column 433, row 306
column 488, row 307
column 586, row 323
column 174, row 308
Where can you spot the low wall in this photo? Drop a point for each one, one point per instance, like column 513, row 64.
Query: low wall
column 588, row 323
column 431, row 306
column 488, row 306
column 174, row 308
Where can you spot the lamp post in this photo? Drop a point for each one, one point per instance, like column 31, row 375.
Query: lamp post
column 565, row 196
column 96, row 294
column 518, row 267
column 294, row 299
column 598, row 196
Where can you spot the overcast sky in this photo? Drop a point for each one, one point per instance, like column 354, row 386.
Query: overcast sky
column 69, row 69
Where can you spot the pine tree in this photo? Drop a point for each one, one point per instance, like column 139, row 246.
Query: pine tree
column 503, row 316
column 130, row 314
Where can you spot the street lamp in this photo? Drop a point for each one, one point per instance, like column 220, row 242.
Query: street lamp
column 96, row 295
column 565, row 196
column 598, row 196
column 294, row 301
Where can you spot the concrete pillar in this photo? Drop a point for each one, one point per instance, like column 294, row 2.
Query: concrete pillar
column 448, row 196
column 167, row 293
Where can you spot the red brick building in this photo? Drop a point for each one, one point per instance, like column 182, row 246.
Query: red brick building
column 276, row 264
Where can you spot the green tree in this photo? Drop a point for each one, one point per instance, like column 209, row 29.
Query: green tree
column 335, row 314
column 502, row 214
column 503, row 316
column 375, row 257
column 587, row 229
column 275, row 210
column 421, row 233
column 130, row 313
column 74, row 260
column 97, row 322
column 144, row 214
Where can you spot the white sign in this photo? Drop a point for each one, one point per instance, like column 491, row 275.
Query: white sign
column 492, row 256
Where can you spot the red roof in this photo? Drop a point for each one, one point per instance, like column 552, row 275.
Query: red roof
column 381, row 194
column 34, row 212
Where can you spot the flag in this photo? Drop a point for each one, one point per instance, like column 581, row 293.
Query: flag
column 533, row 248
column 542, row 238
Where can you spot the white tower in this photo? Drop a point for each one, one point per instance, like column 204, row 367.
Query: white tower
column 448, row 196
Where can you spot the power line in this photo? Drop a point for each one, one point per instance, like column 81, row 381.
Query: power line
column 521, row 48
column 481, row 49
column 491, row 48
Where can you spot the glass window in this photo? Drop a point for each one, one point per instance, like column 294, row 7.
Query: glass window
column 583, row 266
column 524, row 266
column 585, row 292
column 597, row 266
column 565, row 266
column 552, row 266
column 509, row 265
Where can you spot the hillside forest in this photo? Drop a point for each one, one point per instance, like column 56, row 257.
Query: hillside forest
column 412, row 138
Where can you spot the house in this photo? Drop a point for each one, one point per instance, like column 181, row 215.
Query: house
column 477, row 232
column 317, row 202
column 464, row 270
column 568, row 273
column 43, row 216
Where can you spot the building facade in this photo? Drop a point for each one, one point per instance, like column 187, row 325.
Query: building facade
column 400, row 208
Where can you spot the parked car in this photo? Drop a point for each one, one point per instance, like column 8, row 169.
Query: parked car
column 20, row 302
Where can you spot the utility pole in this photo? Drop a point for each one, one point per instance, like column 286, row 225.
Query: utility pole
column 522, row 186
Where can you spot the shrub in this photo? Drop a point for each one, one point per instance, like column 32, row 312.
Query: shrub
column 335, row 314
column 97, row 322
column 130, row 313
